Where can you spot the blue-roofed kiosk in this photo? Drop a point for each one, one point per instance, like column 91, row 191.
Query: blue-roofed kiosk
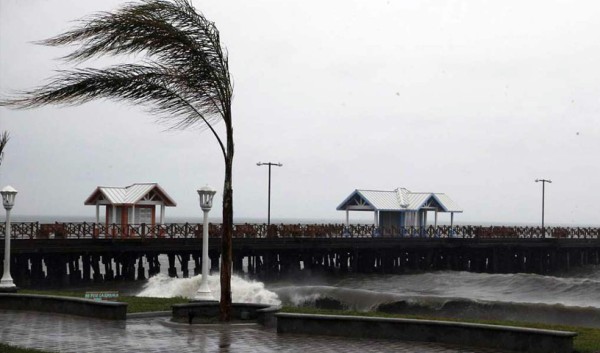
column 399, row 208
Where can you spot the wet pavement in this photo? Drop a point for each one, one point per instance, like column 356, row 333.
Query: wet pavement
column 64, row 333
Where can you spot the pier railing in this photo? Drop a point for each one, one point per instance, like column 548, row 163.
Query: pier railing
column 36, row 230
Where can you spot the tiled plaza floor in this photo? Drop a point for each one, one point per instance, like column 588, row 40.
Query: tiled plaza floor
column 63, row 333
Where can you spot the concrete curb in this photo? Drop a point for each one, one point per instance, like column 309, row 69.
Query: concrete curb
column 469, row 334
column 64, row 305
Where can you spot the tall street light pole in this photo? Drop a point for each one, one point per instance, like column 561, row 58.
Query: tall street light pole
column 8, row 201
column 270, row 164
column 543, row 181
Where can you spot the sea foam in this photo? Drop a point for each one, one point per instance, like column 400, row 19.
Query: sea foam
column 242, row 291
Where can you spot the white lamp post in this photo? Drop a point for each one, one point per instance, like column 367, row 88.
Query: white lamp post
column 8, row 201
column 206, row 197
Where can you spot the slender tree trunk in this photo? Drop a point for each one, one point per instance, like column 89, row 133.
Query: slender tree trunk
column 226, row 238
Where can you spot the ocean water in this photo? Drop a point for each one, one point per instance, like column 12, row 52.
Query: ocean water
column 568, row 298
column 518, row 288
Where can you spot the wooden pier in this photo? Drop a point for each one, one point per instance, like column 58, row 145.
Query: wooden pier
column 68, row 258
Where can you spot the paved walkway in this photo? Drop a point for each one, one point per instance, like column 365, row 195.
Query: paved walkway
column 63, row 333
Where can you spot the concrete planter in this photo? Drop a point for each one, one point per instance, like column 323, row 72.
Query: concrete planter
column 203, row 311
column 467, row 334
column 64, row 305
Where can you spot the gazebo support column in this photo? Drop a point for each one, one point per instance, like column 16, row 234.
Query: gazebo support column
column 97, row 213
column 162, row 214
column 376, row 231
column 346, row 231
column 435, row 223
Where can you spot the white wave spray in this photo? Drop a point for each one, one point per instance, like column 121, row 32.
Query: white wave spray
column 242, row 291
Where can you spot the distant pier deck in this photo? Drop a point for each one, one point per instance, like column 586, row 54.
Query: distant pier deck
column 73, row 253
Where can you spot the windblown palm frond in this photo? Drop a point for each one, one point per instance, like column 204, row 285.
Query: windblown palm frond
column 3, row 141
column 184, row 80
column 162, row 90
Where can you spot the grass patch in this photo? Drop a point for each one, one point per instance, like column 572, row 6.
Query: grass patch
column 145, row 304
column 586, row 341
column 5, row 348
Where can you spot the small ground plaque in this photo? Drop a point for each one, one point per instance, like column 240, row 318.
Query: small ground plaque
column 104, row 295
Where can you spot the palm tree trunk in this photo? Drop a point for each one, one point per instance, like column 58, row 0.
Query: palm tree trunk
column 226, row 238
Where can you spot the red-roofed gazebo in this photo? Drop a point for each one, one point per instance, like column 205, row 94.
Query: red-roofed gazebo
column 133, row 204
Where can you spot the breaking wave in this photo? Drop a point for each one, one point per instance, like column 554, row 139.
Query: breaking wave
column 567, row 298
column 572, row 298
column 518, row 288
column 242, row 291
column 442, row 307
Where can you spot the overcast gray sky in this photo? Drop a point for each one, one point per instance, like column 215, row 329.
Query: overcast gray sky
column 475, row 99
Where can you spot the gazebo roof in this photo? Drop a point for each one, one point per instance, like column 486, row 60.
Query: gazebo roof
column 129, row 195
column 397, row 200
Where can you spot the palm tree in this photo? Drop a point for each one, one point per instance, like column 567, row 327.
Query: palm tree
column 184, row 80
column 3, row 141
